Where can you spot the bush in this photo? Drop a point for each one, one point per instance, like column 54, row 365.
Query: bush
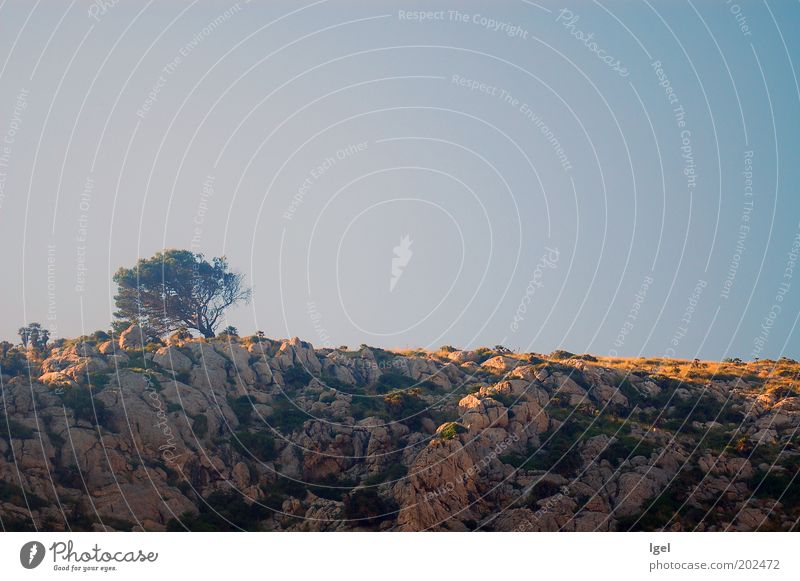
column 84, row 406
column 777, row 485
column 561, row 354
column 296, row 377
column 364, row 406
column 242, row 407
column 506, row 399
column 391, row 474
column 626, row 447
column 184, row 377
column 222, row 511
column 98, row 380
column 394, row 380
column 286, row 417
column 366, row 507
column 405, row 406
column 451, row 430
column 542, row 489
column 200, row 425
column 13, row 363
column 13, row 429
column 258, row 444
column 13, row 494
column 100, row 336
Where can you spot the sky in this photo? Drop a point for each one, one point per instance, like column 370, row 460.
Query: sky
column 607, row 177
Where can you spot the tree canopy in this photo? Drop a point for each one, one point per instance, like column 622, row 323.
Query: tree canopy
column 177, row 289
column 34, row 335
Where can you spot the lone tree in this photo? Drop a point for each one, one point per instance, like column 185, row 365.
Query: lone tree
column 177, row 289
column 35, row 336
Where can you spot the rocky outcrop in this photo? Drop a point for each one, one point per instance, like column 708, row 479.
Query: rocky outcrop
column 131, row 338
column 277, row 435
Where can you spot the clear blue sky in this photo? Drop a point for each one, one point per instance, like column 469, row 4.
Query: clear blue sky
column 607, row 177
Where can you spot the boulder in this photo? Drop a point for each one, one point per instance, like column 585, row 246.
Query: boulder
column 131, row 338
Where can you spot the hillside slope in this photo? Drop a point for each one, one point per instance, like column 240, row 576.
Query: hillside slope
column 261, row 434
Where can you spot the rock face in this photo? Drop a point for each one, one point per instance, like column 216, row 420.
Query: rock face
column 263, row 434
column 131, row 338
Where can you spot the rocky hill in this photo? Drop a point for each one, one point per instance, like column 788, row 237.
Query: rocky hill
column 259, row 434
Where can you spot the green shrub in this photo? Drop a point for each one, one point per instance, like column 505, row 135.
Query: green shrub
column 391, row 474
column 405, row 406
column 296, row 377
column 200, row 425
column 183, row 377
column 625, row 448
column 364, row 406
column 259, row 444
column 366, row 508
column 13, row 363
column 561, row 354
column 13, row 494
column 451, row 430
column 242, row 408
column 382, row 356
column 14, row 429
column 222, row 511
column 84, row 406
column 98, row 380
column 777, row 485
column 286, row 417
column 394, row 380
column 506, row 399
column 332, row 382
column 542, row 489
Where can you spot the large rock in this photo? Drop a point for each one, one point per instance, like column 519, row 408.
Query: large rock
column 440, row 489
column 131, row 338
